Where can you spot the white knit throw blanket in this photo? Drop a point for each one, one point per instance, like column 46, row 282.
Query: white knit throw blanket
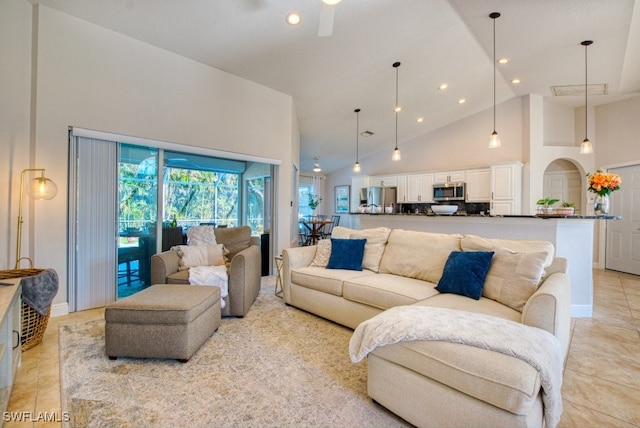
column 535, row 346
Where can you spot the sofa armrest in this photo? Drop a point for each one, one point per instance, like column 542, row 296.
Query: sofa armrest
column 162, row 265
column 549, row 308
column 244, row 280
column 292, row 258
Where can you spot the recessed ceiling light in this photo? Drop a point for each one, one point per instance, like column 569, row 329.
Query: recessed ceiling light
column 293, row 18
column 462, row 100
column 398, row 109
column 515, row 81
column 503, row 60
column 443, row 86
column 420, row 119
column 331, row 2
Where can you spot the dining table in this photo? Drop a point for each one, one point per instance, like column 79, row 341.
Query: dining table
column 314, row 228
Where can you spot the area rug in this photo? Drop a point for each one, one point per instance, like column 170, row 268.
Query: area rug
column 278, row 366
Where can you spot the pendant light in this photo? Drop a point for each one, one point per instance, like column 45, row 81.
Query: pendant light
column 586, row 147
column 396, row 152
column 356, row 166
column 316, row 166
column 494, row 140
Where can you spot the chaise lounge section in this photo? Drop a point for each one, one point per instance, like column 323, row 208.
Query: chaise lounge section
column 435, row 383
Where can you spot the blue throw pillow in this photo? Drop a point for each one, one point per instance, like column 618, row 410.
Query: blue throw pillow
column 464, row 273
column 346, row 254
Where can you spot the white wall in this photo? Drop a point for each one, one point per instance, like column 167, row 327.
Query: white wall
column 93, row 78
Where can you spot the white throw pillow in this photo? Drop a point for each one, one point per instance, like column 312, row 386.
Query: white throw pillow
column 200, row 255
column 201, row 235
column 323, row 252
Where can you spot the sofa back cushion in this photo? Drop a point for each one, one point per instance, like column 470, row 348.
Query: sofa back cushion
column 420, row 255
column 234, row 239
column 514, row 277
column 374, row 248
column 478, row 243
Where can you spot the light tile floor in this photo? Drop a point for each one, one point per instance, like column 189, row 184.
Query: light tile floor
column 601, row 380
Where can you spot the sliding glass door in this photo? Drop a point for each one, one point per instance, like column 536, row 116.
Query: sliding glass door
column 136, row 217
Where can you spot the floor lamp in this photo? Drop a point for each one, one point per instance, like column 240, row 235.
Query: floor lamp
column 38, row 188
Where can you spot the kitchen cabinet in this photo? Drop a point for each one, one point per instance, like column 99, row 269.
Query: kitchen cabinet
column 450, row 176
column 384, row 180
column 357, row 182
column 478, row 185
column 419, row 188
column 402, row 189
column 506, row 188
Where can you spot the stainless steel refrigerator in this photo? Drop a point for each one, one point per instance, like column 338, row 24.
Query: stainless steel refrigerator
column 382, row 197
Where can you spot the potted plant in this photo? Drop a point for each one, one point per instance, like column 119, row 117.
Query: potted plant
column 314, row 201
column 566, row 208
column 545, row 205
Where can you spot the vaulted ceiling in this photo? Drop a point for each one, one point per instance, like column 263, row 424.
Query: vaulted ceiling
column 436, row 41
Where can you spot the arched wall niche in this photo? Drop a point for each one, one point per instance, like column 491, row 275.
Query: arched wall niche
column 565, row 179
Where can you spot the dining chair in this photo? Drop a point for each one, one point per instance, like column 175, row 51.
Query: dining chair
column 328, row 229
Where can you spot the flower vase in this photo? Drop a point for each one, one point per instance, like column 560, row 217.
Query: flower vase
column 601, row 205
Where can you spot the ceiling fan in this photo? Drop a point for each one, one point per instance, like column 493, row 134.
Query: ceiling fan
column 325, row 28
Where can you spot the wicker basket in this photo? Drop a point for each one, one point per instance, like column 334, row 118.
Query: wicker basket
column 33, row 324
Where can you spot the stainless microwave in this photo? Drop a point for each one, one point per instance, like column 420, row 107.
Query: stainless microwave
column 449, row 191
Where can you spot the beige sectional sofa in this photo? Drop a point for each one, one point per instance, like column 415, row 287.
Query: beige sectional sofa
column 431, row 383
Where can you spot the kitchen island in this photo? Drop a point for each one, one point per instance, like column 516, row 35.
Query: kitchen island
column 572, row 237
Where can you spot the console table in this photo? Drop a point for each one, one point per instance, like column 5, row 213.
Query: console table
column 10, row 349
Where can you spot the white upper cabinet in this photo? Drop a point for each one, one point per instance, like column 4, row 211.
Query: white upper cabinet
column 384, row 181
column 478, row 185
column 506, row 188
column 420, row 188
column 450, row 176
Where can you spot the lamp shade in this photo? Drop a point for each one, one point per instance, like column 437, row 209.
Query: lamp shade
column 41, row 188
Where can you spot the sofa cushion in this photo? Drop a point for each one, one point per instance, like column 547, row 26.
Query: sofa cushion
column 325, row 280
column 420, row 255
column 464, row 273
column 477, row 243
column 500, row 380
column 514, row 277
column 483, row 306
column 374, row 248
column 385, row 291
column 323, row 252
column 235, row 239
column 346, row 254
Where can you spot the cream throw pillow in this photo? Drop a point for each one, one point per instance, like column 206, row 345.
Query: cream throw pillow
column 201, row 235
column 323, row 252
column 341, row 232
column 513, row 277
column 420, row 255
column 200, row 255
column 374, row 247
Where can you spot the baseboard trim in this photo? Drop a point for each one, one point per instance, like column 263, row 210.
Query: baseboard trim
column 581, row 311
column 60, row 309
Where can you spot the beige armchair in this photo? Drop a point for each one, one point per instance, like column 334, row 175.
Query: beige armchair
column 244, row 268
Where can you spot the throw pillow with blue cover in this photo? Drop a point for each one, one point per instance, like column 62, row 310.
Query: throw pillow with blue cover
column 464, row 273
column 346, row 254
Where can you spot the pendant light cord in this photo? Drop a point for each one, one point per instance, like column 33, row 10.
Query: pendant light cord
column 585, row 90
column 494, row 74
column 396, row 65
column 357, row 131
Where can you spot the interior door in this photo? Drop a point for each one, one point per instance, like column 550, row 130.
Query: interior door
column 623, row 236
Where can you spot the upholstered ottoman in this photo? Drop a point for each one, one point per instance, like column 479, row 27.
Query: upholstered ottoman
column 162, row 321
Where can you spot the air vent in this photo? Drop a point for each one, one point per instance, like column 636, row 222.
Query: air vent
column 366, row 133
column 578, row 90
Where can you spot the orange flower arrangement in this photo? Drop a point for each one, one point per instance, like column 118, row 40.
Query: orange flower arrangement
column 603, row 183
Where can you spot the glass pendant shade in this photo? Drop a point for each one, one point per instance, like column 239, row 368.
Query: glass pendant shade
column 586, row 148
column 42, row 188
column 494, row 140
column 396, row 155
column 356, row 167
